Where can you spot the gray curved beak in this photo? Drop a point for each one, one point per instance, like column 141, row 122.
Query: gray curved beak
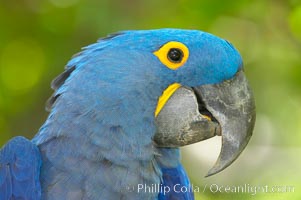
column 232, row 105
column 195, row 114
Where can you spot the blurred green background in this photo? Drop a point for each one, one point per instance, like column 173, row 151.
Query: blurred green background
column 38, row 37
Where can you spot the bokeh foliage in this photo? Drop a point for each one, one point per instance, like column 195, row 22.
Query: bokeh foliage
column 38, row 37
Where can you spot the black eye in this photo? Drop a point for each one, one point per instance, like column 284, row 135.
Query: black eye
column 175, row 55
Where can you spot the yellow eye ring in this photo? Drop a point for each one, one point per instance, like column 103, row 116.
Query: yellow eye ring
column 173, row 54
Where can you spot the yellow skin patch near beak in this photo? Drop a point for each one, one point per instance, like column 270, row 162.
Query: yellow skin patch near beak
column 165, row 96
column 207, row 117
column 167, row 93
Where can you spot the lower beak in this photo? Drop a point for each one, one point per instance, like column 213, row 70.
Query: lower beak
column 225, row 109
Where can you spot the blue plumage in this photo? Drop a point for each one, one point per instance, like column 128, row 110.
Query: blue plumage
column 176, row 182
column 20, row 164
column 174, row 176
column 97, row 141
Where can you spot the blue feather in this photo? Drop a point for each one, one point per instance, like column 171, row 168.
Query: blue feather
column 20, row 164
column 176, row 182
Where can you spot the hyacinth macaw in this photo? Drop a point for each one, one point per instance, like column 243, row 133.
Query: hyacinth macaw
column 120, row 112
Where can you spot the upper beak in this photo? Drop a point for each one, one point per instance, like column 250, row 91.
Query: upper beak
column 192, row 115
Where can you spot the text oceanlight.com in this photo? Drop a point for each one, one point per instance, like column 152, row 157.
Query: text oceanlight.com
column 249, row 189
column 213, row 188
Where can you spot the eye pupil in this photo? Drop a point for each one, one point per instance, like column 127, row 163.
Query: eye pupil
column 175, row 55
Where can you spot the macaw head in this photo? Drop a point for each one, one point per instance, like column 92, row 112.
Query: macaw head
column 175, row 87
